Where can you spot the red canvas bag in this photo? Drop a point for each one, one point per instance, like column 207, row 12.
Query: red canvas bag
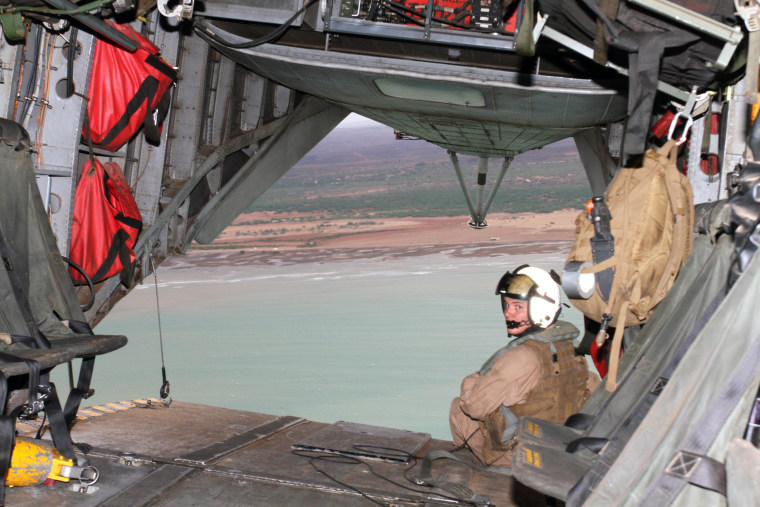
column 127, row 91
column 106, row 222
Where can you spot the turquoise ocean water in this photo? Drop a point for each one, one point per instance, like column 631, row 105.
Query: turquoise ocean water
column 373, row 341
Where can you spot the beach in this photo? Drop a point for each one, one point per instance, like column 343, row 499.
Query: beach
column 291, row 238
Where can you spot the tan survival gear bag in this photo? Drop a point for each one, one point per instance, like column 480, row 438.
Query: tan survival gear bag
column 627, row 254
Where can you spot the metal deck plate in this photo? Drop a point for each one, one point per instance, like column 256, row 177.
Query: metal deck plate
column 365, row 441
column 192, row 454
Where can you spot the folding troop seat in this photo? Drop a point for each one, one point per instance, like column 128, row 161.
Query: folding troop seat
column 41, row 322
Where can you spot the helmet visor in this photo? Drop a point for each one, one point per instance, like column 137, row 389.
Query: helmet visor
column 515, row 286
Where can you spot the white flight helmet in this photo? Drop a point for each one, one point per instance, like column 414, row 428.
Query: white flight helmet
column 540, row 291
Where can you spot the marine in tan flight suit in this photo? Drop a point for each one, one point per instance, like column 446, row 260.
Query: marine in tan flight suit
column 536, row 374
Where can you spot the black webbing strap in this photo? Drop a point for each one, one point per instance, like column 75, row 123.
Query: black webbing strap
column 644, row 60
column 645, row 50
column 25, row 340
column 8, row 421
column 52, row 406
column 142, row 99
column 82, row 390
column 619, row 439
column 746, row 246
column 580, row 421
column 57, row 423
column 34, row 377
column 118, row 249
column 690, row 464
column 594, row 444
column 154, row 118
column 7, row 435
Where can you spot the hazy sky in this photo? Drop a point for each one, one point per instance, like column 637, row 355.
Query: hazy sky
column 356, row 120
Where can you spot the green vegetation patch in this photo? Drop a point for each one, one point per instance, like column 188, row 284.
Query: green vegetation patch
column 428, row 188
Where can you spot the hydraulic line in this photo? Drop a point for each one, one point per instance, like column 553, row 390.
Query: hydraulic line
column 206, row 32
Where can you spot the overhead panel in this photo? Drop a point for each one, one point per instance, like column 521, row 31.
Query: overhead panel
column 468, row 109
column 265, row 11
column 430, row 91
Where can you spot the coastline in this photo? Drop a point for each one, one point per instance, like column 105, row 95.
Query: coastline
column 301, row 238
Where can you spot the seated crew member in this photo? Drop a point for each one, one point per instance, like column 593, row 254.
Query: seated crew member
column 536, row 374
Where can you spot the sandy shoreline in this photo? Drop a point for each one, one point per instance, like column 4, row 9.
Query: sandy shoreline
column 283, row 239
column 220, row 258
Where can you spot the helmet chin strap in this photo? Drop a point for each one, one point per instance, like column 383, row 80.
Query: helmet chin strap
column 514, row 324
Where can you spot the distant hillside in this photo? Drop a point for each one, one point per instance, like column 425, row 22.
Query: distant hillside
column 367, row 172
column 368, row 144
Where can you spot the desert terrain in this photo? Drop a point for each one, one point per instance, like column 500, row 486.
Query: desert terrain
column 268, row 237
column 361, row 193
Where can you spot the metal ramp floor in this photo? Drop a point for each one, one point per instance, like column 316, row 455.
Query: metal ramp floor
column 191, row 454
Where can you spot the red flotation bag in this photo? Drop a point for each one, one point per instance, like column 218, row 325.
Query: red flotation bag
column 106, row 222
column 127, row 91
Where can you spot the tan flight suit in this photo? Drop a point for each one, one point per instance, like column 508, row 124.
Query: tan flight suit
column 524, row 377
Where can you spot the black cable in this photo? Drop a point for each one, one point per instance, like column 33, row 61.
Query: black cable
column 88, row 281
column 463, row 7
column 41, row 429
column 270, row 37
column 70, row 62
column 398, row 11
column 316, row 456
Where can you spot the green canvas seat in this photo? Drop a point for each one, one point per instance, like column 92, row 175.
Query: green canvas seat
column 39, row 312
column 35, row 279
column 33, row 255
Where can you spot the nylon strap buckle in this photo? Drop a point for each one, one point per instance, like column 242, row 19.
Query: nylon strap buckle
column 699, row 470
column 31, row 410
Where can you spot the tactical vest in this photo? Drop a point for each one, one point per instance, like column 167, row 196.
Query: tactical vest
column 562, row 388
column 560, row 392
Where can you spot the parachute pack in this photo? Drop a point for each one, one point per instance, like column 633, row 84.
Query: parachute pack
column 630, row 246
column 127, row 91
column 106, row 222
